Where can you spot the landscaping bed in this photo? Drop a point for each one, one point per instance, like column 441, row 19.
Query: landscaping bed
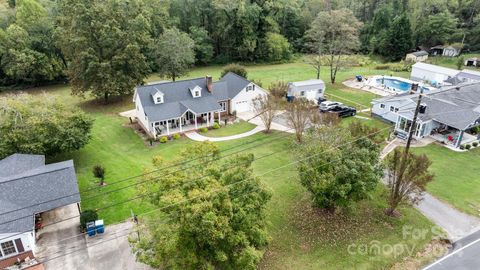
column 230, row 129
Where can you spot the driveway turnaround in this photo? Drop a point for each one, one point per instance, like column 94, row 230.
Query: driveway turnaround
column 62, row 246
column 193, row 135
column 463, row 256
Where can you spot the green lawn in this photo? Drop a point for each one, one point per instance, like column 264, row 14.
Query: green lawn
column 301, row 237
column 231, row 129
column 457, row 177
column 451, row 62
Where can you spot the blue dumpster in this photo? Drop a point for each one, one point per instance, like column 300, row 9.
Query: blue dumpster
column 99, row 226
column 359, row 78
column 91, row 228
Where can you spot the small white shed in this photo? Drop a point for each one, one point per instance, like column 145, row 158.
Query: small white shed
column 310, row 89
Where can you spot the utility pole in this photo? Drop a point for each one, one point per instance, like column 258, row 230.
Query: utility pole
column 414, row 121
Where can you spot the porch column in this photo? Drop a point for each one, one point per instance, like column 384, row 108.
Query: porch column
column 212, row 117
column 195, row 116
column 219, row 117
column 397, row 124
column 208, row 119
column 180, row 123
column 168, row 130
column 459, row 140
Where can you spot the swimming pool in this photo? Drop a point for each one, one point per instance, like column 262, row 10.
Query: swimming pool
column 396, row 84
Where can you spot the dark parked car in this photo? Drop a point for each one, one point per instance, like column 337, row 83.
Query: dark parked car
column 320, row 100
column 343, row 111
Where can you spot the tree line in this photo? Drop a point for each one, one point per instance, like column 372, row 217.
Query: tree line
column 107, row 46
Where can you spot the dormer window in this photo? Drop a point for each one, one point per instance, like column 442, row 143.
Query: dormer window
column 158, row 97
column 196, row 91
column 250, row 88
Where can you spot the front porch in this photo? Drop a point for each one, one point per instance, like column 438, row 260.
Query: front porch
column 452, row 137
column 188, row 121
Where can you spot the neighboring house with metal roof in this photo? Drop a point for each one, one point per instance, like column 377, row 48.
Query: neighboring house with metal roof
column 174, row 107
column 29, row 187
column 310, row 89
column 448, row 115
column 419, row 56
column 432, row 74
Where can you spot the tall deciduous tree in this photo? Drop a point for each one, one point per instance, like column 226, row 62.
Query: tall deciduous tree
column 266, row 106
column 104, row 43
column 337, row 168
column 407, row 178
column 41, row 125
column 203, row 45
column 298, row 116
column 175, row 53
column 336, row 33
column 211, row 216
column 436, row 29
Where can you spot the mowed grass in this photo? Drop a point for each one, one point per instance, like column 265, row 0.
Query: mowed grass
column 230, row 129
column 457, row 177
column 301, row 237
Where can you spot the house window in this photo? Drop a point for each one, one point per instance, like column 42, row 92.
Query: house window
column 197, row 93
column 224, row 106
column 392, row 108
column 319, row 91
column 8, row 248
column 159, row 99
column 302, row 93
column 396, row 109
column 250, row 88
column 382, row 106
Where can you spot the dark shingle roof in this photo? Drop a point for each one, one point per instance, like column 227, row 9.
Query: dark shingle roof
column 458, row 107
column 37, row 188
column 178, row 98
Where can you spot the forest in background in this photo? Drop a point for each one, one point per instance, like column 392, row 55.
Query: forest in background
column 35, row 42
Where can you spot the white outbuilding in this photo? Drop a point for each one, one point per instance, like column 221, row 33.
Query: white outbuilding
column 311, row 90
column 432, row 74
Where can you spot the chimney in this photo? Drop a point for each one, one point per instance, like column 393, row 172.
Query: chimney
column 209, row 82
column 423, row 108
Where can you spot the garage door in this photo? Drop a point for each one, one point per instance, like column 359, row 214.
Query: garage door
column 242, row 106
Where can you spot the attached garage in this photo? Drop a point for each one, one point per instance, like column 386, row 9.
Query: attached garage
column 243, row 106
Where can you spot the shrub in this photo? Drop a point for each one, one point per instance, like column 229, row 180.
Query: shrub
column 475, row 144
column 176, row 136
column 468, row 146
column 382, row 67
column 163, row 139
column 462, row 147
column 99, row 172
column 235, row 68
column 87, row 216
column 203, row 129
column 216, row 125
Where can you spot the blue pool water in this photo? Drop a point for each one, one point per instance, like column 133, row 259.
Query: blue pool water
column 395, row 84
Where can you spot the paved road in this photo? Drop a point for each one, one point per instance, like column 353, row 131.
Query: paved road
column 463, row 256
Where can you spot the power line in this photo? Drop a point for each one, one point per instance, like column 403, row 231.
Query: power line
column 150, row 172
column 144, row 195
column 220, row 189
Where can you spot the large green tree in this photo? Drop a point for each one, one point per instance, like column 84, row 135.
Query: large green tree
column 28, row 54
column 337, row 167
column 104, row 42
column 174, row 53
column 334, row 34
column 211, row 216
column 41, row 125
column 203, row 45
column 436, row 29
column 399, row 39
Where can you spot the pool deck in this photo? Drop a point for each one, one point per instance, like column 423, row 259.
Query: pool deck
column 363, row 85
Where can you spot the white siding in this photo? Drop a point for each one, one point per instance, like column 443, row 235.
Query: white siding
column 431, row 73
column 386, row 113
column 27, row 241
column 242, row 102
column 141, row 114
column 310, row 92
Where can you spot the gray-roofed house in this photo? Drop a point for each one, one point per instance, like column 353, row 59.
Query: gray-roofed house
column 419, row 56
column 29, row 187
column 174, row 107
column 449, row 115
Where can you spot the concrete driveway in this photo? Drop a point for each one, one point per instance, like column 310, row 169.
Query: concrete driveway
column 279, row 121
column 63, row 246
